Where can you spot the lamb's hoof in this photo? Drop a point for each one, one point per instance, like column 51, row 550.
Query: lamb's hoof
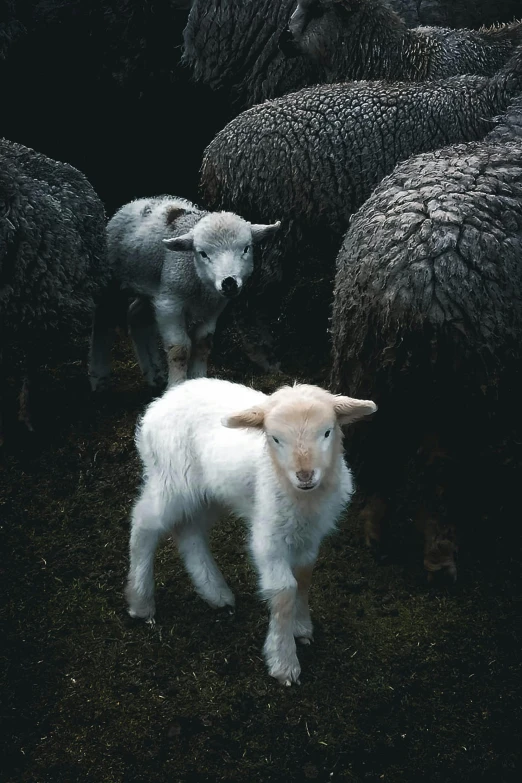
column 146, row 614
column 138, row 608
column 305, row 639
column 286, row 674
column 222, row 599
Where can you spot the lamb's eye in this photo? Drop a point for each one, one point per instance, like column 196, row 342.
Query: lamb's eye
column 327, row 433
column 247, row 248
column 203, row 254
column 275, row 439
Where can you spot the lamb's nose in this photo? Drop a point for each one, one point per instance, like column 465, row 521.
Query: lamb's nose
column 305, row 476
column 229, row 286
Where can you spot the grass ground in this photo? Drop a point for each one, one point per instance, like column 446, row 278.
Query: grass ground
column 403, row 684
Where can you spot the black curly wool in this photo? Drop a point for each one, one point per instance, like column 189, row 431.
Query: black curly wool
column 52, row 254
column 356, row 39
column 52, row 243
column 234, row 45
column 455, row 13
column 427, row 316
column 311, row 158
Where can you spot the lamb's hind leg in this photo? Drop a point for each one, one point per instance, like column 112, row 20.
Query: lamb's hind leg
column 201, row 347
column 145, row 338
column 152, row 516
column 192, row 540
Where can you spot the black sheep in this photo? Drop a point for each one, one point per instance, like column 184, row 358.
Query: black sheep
column 427, row 321
column 314, row 156
column 52, row 257
column 237, row 46
column 361, row 39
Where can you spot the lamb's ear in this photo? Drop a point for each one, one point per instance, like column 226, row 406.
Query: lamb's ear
column 184, row 242
column 348, row 410
column 261, row 231
column 252, row 417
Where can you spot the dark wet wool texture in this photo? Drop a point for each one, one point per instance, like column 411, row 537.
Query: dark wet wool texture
column 356, row 39
column 52, row 257
column 234, row 45
column 456, row 13
column 52, row 242
column 427, row 320
column 311, row 158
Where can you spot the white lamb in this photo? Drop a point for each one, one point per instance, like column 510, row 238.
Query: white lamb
column 276, row 461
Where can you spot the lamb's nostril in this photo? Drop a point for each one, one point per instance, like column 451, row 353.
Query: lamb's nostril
column 229, row 286
column 305, row 476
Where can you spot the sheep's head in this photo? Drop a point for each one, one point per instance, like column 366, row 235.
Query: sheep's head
column 316, row 25
column 334, row 33
column 222, row 244
column 302, row 426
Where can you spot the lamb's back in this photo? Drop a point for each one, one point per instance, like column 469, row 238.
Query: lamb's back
column 136, row 251
column 181, row 438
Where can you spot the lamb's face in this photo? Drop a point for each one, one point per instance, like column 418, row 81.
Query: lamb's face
column 304, row 440
column 222, row 246
column 302, row 426
column 223, row 254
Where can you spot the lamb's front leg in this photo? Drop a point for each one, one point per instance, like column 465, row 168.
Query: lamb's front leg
column 201, row 347
column 303, row 628
column 279, row 586
column 170, row 318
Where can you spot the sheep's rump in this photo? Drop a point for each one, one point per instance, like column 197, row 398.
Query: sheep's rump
column 427, row 314
column 52, row 243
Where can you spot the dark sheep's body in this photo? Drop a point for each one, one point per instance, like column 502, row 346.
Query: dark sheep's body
column 235, row 46
column 316, row 155
column 427, row 320
column 361, row 39
column 455, row 13
column 52, row 252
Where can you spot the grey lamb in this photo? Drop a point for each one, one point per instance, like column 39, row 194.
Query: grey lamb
column 357, row 39
column 238, row 46
column 182, row 265
column 427, row 319
column 316, row 155
column 52, row 259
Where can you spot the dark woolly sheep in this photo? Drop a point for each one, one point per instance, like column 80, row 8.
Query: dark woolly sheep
column 52, row 257
column 455, row 13
column 427, row 319
column 238, row 45
column 362, row 39
column 314, row 156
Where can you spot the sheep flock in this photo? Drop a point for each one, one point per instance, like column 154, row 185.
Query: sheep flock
column 327, row 315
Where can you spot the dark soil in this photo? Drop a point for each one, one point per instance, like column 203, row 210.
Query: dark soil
column 404, row 683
